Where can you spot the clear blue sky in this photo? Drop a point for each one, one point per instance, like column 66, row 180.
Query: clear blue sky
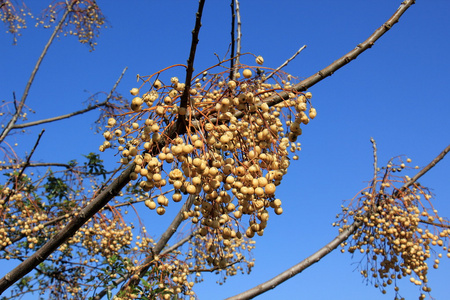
column 396, row 92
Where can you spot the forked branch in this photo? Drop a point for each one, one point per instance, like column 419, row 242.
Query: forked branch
column 19, row 108
column 114, row 188
column 79, row 112
column 317, row 256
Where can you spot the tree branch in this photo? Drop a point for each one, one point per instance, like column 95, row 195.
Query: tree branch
column 68, row 231
column 15, row 117
column 156, row 250
column 82, row 111
column 190, row 62
column 329, row 70
column 286, row 62
column 298, row 268
column 233, row 21
column 239, row 33
column 343, row 236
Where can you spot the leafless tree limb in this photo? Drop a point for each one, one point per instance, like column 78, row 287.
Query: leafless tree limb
column 233, row 21
column 16, row 115
column 336, row 65
column 286, row 62
column 179, row 243
column 425, row 169
column 239, row 33
column 79, row 112
column 298, row 268
column 190, row 62
column 343, row 236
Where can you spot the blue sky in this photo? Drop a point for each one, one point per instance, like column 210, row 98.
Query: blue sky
column 395, row 92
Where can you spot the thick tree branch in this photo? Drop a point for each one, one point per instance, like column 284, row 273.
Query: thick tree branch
column 184, row 101
column 239, row 33
column 185, row 97
column 233, row 21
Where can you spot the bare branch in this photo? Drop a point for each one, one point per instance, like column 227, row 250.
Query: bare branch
column 425, row 169
column 286, row 62
column 82, row 111
column 179, row 243
column 233, row 20
column 336, row 65
column 27, row 161
column 15, row 117
column 375, row 162
column 298, row 268
column 239, row 33
column 344, row 235
column 190, row 62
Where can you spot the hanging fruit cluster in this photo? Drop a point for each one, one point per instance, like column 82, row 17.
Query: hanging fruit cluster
column 231, row 153
column 400, row 231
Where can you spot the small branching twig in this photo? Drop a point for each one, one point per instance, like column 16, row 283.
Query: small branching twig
column 79, row 112
column 286, row 62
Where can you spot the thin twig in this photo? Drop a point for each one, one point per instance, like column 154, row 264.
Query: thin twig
column 375, row 162
column 425, row 169
column 82, row 111
column 25, row 165
column 286, row 62
column 179, row 243
column 27, row 161
column 15, row 117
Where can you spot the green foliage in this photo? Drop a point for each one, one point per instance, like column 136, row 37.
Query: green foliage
column 94, row 166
